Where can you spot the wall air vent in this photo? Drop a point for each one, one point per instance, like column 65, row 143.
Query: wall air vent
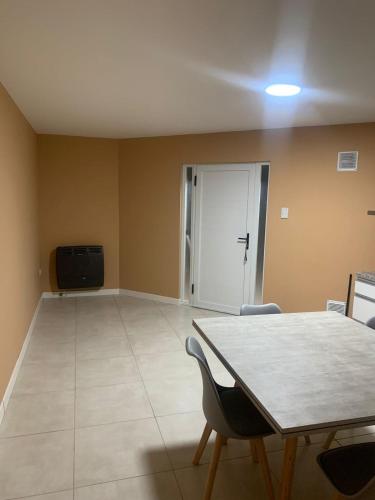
column 347, row 161
column 335, row 305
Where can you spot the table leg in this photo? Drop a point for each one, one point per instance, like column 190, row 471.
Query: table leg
column 288, row 468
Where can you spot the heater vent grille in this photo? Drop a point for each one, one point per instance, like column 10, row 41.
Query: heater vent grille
column 347, row 161
column 337, row 306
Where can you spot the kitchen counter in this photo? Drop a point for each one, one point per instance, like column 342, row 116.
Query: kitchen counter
column 368, row 277
column 364, row 297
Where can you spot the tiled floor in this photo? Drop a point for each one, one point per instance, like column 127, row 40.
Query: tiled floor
column 107, row 406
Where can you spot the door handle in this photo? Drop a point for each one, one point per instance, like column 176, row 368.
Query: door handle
column 244, row 240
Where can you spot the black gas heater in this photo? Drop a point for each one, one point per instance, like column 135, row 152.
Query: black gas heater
column 80, row 267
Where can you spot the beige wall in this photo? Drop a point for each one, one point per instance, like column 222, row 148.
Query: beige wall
column 78, row 185
column 308, row 257
column 19, row 253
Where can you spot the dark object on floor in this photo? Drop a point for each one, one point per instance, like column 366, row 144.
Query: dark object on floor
column 80, row 266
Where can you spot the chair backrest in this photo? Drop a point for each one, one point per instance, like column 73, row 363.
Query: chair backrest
column 253, row 310
column 212, row 407
column 350, row 468
column 371, row 323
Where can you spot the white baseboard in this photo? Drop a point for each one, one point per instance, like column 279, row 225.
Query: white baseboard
column 81, row 293
column 2, row 411
column 114, row 291
column 150, row 296
column 17, row 366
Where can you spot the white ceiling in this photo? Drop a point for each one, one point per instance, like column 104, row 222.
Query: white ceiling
column 131, row 68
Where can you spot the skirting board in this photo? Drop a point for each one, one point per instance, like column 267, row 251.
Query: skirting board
column 151, row 296
column 114, row 291
column 16, row 369
column 81, row 293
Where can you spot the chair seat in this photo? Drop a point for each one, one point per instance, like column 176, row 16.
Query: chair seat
column 349, row 468
column 242, row 416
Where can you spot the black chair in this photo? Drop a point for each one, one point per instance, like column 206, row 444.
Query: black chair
column 350, row 469
column 256, row 310
column 331, row 436
column 231, row 414
column 371, row 323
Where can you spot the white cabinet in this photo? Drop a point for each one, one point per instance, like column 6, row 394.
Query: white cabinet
column 364, row 301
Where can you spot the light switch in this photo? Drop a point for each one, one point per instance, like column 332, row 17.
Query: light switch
column 284, row 213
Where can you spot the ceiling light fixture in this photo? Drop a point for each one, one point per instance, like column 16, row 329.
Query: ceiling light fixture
column 283, row 89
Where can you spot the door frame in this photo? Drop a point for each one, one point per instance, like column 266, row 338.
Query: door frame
column 183, row 207
column 262, row 188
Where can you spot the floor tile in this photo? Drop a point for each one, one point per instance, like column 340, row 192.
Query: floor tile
column 114, row 403
column 62, row 495
column 358, row 431
column 49, row 351
column 97, row 329
column 130, row 313
column 95, row 303
column 148, row 324
column 175, row 395
column 365, row 438
column 99, row 326
column 111, row 371
column 53, row 319
column 166, row 365
column 237, row 479
column 34, row 378
column 35, row 413
column 161, row 486
column 37, row 464
column 155, row 342
column 57, row 334
column 181, row 434
column 97, row 317
column 99, row 347
column 135, row 302
column 97, row 309
column 66, row 304
column 118, row 451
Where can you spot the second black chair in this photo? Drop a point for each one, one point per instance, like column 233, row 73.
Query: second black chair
column 350, row 469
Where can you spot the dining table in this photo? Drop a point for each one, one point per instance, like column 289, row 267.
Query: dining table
column 307, row 373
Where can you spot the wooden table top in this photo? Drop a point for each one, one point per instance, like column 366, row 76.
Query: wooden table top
column 306, row 372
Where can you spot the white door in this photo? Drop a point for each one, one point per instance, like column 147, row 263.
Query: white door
column 225, row 235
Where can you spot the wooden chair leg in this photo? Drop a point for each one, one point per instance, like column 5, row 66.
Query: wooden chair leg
column 213, row 467
column 254, row 451
column 328, row 441
column 259, row 444
column 288, row 468
column 225, row 441
column 202, row 444
column 307, row 440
